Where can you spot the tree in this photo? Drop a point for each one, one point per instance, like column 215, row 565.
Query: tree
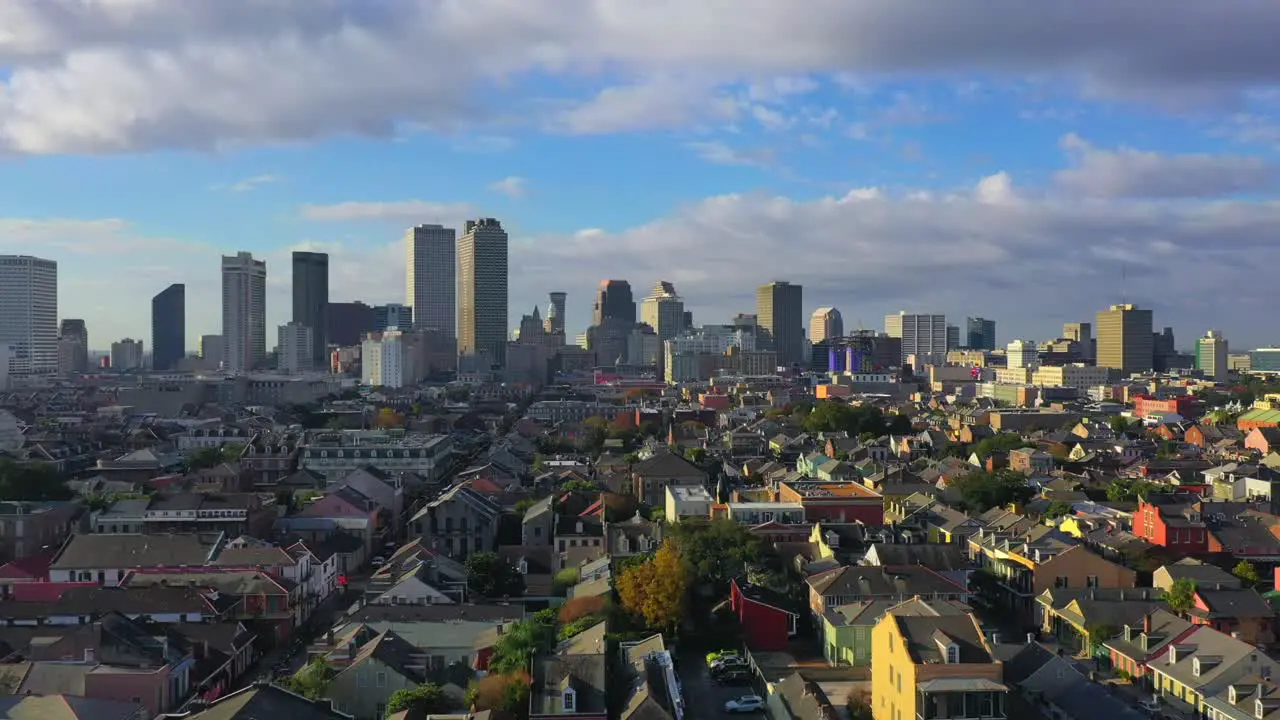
column 597, row 432
column 539, row 464
column 1181, row 595
column 1128, row 490
column 1001, row 443
column 516, row 647
column 32, row 481
column 716, row 551
column 1247, row 573
column 1100, row 633
column 500, row 692
column 695, row 455
column 564, row 580
column 312, row 681
column 579, row 485
column 1057, row 509
column 981, row 490
column 490, row 576
column 388, row 418
column 656, row 590
column 1120, row 424
column 580, row 607
column 837, row 416
column 427, row 699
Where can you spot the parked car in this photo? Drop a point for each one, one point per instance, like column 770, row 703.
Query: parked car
column 733, row 677
column 378, row 561
column 717, row 654
column 745, row 704
column 728, row 662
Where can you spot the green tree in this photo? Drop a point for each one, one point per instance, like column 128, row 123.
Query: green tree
column 32, row 481
column 1128, row 490
column 1057, row 509
column 597, row 432
column 837, row 416
column 1247, row 573
column 312, row 681
column 492, row 577
column 1181, row 595
column 539, row 464
column 579, row 485
column 631, row 458
column 516, row 647
column 1120, row 424
column 564, row 580
column 695, row 455
column 1002, row 443
column 717, row 551
column 980, row 490
column 1100, row 633
column 427, row 698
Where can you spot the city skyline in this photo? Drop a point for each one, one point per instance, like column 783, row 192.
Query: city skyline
column 951, row 169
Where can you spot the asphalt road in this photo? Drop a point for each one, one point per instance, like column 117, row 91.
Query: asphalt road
column 703, row 698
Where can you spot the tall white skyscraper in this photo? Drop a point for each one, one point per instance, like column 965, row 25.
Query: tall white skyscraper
column 924, row 336
column 1211, row 356
column 244, row 311
column 482, row 289
column 382, row 360
column 663, row 310
column 29, row 314
column 431, row 254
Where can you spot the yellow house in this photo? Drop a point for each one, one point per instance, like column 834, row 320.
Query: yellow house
column 934, row 668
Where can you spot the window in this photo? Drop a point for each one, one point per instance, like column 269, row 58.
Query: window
column 381, row 681
column 1061, row 581
column 953, row 654
column 362, row 679
column 1091, row 581
column 381, row 710
column 570, row 699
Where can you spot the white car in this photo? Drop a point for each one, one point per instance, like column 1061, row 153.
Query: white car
column 745, row 704
column 725, row 662
column 378, row 561
column 1151, row 705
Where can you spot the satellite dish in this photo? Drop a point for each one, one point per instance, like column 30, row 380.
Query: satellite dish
column 10, row 433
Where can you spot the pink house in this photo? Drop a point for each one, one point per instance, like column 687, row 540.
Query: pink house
column 1264, row 440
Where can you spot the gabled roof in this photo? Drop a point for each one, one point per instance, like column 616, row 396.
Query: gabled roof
column 665, row 463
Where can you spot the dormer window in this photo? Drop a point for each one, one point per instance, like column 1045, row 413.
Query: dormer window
column 1195, row 667
column 1233, row 695
column 522, row 566
column 570, row 699
column 953, row 654
column 1259, row 710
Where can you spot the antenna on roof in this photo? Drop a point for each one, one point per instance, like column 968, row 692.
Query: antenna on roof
column 1124, row 282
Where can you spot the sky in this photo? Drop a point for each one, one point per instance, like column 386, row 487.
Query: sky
column 1025, row 162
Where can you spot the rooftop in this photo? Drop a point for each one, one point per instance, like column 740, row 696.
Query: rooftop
column 831, row 489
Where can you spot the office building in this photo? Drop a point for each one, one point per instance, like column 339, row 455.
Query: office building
column 1125, row 340
column 169, row 328
column 29, row 314
column 295, row 349
column 73, row 347
column 980, row 333
column 482, row 290
column 663, row 310
column 392, row 316
column 244, row 312
column 1082, row 333
column 825, row 324
column 1022, row 354
column 1263, row 360
column 348, row 322
column 311, row 301
column 554, row 322
column 922, row 335
column 614, row 301
column 382, row 360
column 780, row 313
column 126, row 354
column 1211, row 356
column 953, row 337
column 431, row 280
column 212, row 351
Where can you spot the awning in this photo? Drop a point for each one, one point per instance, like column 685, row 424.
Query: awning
column 962, row 685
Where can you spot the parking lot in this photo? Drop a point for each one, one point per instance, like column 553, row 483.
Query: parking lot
column 703, row 697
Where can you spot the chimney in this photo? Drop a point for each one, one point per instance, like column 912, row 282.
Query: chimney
column 1031, row 638
column 91, row 655
column 1146, row 623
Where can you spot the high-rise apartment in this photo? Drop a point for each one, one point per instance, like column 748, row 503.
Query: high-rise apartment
column 431, row 280
column 73, row 346
column 614, row 301
column 663, row 310
column 980, row 333
column 295, row 348
column 382, row 360
column 924, row 336
column 311, row 301
column 213, row 349
column 1022, row 354
column 244, row 311
column 1211, row 356
column 169, row 328
column 554, row 322
column 1125, row 341
column 126, row 354
column 29, row 314
column 482, row 289
column 826, row 323
column 780, row 313
column 1082, row 333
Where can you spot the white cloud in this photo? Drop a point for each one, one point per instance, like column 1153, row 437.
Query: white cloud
column 124, row 75
column 513, row 186
column 252, row 183
column 717, row 153
column 1126, row 172
column 412, row 211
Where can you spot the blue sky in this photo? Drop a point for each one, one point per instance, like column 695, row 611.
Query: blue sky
column 884, row 156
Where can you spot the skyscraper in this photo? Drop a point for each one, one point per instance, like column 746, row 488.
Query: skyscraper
column 555, row 313
column 1211, row 356
column 29, row 314
column 126, row 354
column 1125, row 341
column 73, row 346
column 614, row 300
column 295, row 351
column 431, row 281
column 244, row 311
column 169, row 328
column 1082, row 333
column 980, row 333
column 311, row 301
column 826, row 323
column 780, row 313
column 482, row 289
column 392, row 316
column 924, row 336
column 663, row 310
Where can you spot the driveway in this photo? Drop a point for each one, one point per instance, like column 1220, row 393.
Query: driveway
column 703, row 698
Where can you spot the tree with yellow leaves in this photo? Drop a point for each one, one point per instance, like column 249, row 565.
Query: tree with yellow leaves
column 657, row 590
column 388, row 418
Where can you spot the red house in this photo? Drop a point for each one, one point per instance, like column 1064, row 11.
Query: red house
column 767, row 623
column 839, row 502
column 1188, row 406
column 1172, row 521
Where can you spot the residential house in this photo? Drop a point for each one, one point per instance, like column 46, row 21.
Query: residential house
column 372, row 672
column 458, row 522
column 947, row 559
column 795, row 698
column 767, row 618
column 633, row 536
column 1239, row 612
column 654, row 691
column 1203, row 663
column 269, row 457
column 262, row 700
column 1174, row 521
column 1078, row 618
column 1140, row 644
column 688, row 502
column 69, row 707
column 26, row 528
column 1204, row 575
column 760, row 513
column 849, row 584
column 934, row 668
column 840, row 502
column 384, row 488
column 266, row 599
column 571, row 682
column 448, row 635
column 1031, row 461
column 106, row 559
column 847, row 628
column 1263, row 440
column 537, row 527
column 1057, row 685
column 651, row 477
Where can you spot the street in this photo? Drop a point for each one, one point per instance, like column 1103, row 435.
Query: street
column 703, row 698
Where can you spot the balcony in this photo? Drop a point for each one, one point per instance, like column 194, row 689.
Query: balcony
column 960, row 699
